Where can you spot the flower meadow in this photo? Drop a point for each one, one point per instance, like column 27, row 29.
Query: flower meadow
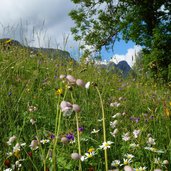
column 58, row 115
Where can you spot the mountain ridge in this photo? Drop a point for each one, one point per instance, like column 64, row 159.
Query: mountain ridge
column 50, row 52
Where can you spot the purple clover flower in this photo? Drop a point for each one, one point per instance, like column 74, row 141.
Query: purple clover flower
column 135, row 119
column 80, row 129
column 52, row 136
column 70, row 137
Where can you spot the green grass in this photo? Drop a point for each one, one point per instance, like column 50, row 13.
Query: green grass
column 29, row 80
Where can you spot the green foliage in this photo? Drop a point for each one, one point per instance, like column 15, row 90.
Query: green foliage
column 28, row 91
column 147, row 23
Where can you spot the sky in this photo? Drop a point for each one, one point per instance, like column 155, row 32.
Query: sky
column 45, row 23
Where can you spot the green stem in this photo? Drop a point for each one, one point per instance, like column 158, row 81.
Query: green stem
column 104, row 128
column 57, row 122
column 78, row 140
column 78, row 135
column 57, row 128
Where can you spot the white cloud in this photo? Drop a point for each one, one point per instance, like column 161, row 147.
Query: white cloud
column 38, row 21
column 130, row 56
column 43, row 23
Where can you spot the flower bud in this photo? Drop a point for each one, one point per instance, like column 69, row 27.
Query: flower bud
column 80, row 82
column 87, row 85
column 75, row 156
column 71, row 79
column 11, row 140
column 128, row 168
column 34, row 144
column 166, row 162
column 65, row 105
column 76, row 108
column 62, row 76
column 7, row 162
column 64, row 140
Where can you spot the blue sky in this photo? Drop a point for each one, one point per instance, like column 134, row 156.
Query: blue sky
column 120, row 48
column 45, row 23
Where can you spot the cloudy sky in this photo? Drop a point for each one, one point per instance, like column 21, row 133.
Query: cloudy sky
column 45, row 23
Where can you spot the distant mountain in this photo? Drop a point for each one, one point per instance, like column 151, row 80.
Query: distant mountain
column 122, row 67
column 50, row 52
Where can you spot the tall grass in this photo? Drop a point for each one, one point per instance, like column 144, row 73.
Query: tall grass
column 132, row 116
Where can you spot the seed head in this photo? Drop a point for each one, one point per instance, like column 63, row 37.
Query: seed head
column 76, row 108
column 75, row 156
column 80, row 83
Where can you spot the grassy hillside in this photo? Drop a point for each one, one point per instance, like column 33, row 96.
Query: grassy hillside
column 115, row 122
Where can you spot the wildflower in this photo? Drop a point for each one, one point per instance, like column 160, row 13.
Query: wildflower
column 89, row 154
column 129, row 156
column 114, row 132
column 8, row 169
column 157, row 161
column 165, row 162
column 11, row 140
column 135, row 119
column 34, row 144
column 100, row 120
column 128, row 168
column 64, row 140
column 66, row 108
column 70, row 79
column 80, row 129
column 136, row 133
column 18, row 164
column 133, row 145
column 116, row 115
column 59, row 91
column 76, row 108
column 115, row 163
column 75, row 156
column 7, row 162
column 70, row 137
column 80, row 83
column 106, row 145
column 52, row 136
column 62, row 76
column 65, row 105
column 167, row 113
column 113, row 124
column 30, row 154
column 32, row 121
column 115, row 104
column 32, row 108
column 151, row 141
column 44, row 141
column 87, row 85
column 16, row 150
column 153, row 149
column 126, row 136
column 95, row 131
column 126, row 161
column 90, row 150
column 142, row 168
column 8, row 41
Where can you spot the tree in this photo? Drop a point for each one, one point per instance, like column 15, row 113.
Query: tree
column 99, row 23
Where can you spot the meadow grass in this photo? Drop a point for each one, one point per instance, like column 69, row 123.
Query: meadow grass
column 120, row 122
